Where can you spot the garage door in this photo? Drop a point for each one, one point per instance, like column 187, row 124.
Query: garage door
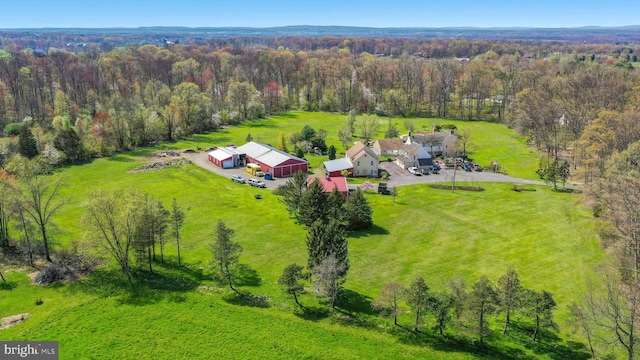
column 227, row 164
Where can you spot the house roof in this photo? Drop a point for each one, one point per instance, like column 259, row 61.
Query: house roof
column 337, row 165
column 358, row 149
column 266, row 154
column 223, row 153
column 330, row 183
column 390, row 144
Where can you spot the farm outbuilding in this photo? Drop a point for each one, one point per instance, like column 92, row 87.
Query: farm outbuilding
column 272, row 160
column 335, row 167
column 225, row 157
column 330, row 183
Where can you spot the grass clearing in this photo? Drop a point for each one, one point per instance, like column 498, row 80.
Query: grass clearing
column 547, row 237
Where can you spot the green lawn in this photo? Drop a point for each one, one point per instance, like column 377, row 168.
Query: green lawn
column 547, row 237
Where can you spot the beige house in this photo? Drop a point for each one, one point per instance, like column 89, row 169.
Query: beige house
column 445, row 144
column 388, row 147
column 363, row 159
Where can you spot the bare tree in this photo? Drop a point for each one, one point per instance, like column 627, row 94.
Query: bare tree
column 329, row 278
column 388, row 302
column 368, row 126
column 112, row 220
column 39, row 197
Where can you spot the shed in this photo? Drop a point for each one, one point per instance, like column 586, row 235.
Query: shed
column 225, row 157
column 334, row 168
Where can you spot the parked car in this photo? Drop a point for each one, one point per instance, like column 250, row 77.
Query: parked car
column 413, row 170
column 257, row 183
column 237, row 178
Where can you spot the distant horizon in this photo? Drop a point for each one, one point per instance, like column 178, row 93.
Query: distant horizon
column 322, row 26
column 546, row 14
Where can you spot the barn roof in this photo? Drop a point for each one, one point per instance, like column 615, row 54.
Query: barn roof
column 266, row 154
column 390, row 144
column 329, row 184
column 358, row 149
column 223, row 153
column 337, row 165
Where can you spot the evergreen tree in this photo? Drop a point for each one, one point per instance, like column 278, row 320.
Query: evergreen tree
column 392, row 131
column 482, row 303
column 332, row 152
column 224, row 252
column 27, row 146
column 307, row 133
column 69, row 143
column 539, row 306
column 509, row 293
column 440, row 305
column 358, row 212
column 292, row 192
column 417, row 296
column 249, row 138
column 335, row 205
column 313, row 205
column 176, row 220
column 325, row 239
column 290, row 281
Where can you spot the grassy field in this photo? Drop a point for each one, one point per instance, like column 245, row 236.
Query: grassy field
column 179, row 313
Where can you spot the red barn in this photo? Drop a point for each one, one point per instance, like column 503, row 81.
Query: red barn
column 333, row 182
column 224, row 157
column 272, row 160
column 334, row 168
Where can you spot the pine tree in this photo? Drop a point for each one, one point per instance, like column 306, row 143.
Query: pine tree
column 224, row 252
column 290, row 281
column 313, row 205
column 358, row 212
column 482, row 303
column 27, row 143
column 509, row 293
column 417, row 297
column 332, row 152
column 325, row 239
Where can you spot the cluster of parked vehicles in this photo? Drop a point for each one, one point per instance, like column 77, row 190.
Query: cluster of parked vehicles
column 253, row 182
column 435, row 169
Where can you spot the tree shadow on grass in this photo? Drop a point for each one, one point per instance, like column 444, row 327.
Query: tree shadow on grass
column 121, row 158
column 148, row 288
column 353, row 303
column 247, row 299
column 373, row 230
column 312, row 313
column 454, row 344
column 8, row 285
column 246, row 276
column 260, row 123
column 548, row 343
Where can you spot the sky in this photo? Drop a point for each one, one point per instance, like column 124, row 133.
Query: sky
column 269, row 13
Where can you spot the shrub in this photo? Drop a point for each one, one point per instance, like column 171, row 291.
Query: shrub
column 53, row 273
column 12, row 129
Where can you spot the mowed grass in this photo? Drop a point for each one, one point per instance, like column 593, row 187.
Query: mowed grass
column 488, row 142
column 547, row 237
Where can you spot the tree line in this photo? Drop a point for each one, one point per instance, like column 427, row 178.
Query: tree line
column 92, row 104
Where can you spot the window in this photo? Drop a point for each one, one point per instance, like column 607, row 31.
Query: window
column 372, row 163
column 358, row 162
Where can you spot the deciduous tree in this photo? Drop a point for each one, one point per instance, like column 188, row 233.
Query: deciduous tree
column 388, row 302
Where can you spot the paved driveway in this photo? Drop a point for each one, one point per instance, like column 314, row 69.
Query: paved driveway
column 202, row 160
column 398, row 176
